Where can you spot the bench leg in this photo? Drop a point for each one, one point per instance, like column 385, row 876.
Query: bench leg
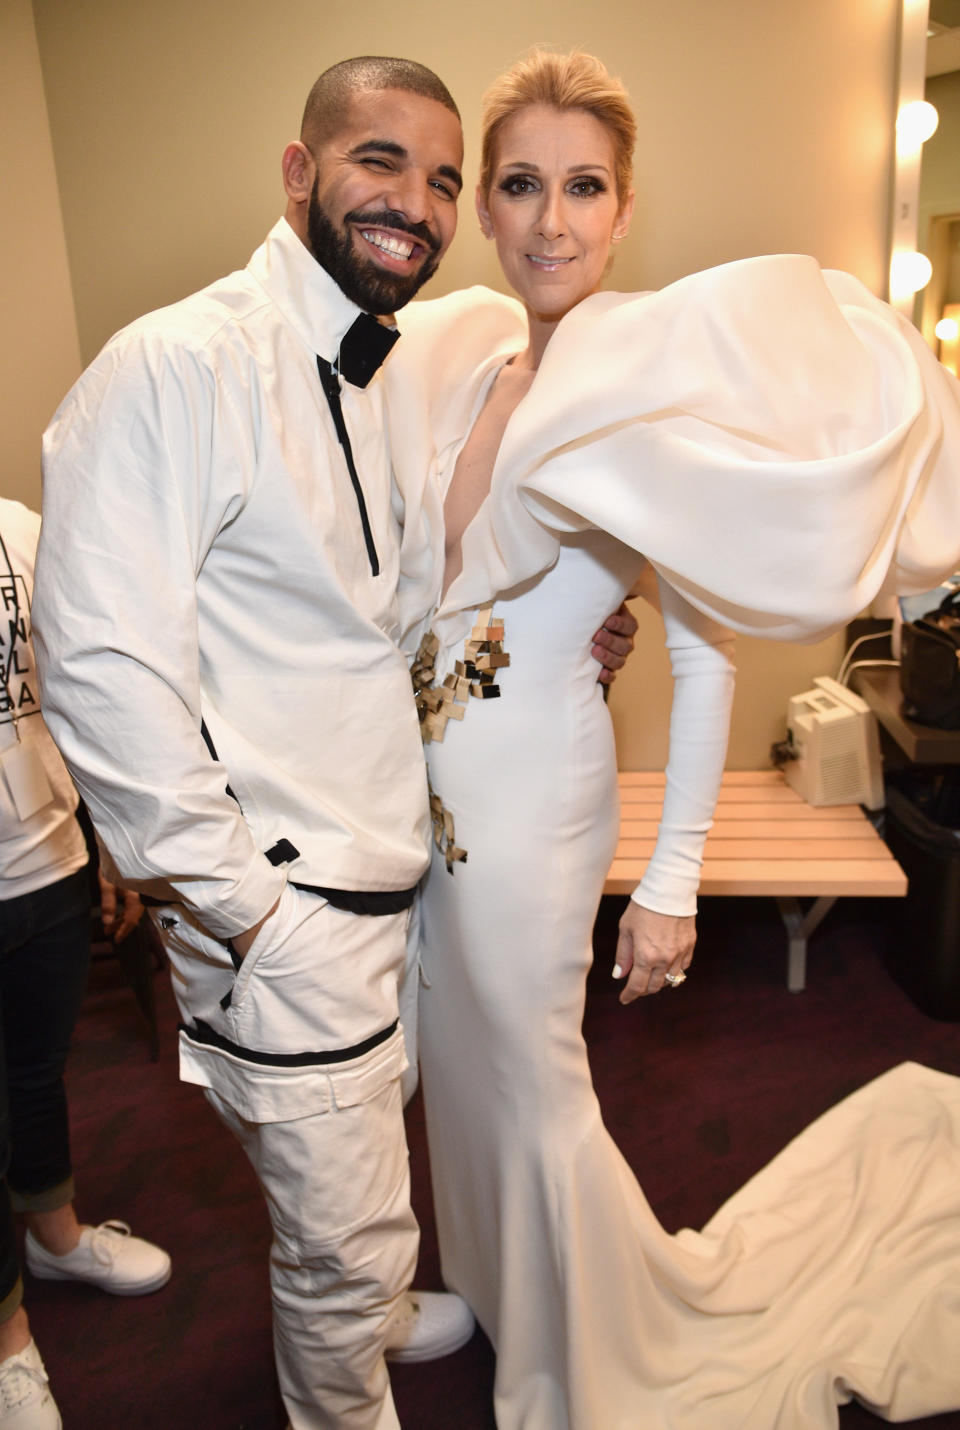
column 800, row 926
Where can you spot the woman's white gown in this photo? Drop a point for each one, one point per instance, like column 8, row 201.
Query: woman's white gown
column 834, row 1272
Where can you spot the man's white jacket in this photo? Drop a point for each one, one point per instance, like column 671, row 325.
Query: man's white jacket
column 218, row 657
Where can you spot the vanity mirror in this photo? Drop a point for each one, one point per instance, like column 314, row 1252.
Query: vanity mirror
column 936, row 308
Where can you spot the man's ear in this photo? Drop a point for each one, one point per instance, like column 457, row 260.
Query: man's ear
column 298, row 169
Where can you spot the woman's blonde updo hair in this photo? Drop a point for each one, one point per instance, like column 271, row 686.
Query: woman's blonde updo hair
column 574, row 81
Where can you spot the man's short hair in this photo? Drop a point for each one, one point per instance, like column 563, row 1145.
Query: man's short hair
column 328, row 103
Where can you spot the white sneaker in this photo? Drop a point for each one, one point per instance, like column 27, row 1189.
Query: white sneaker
column 25, row 1399
column 106, row 1256
column 428, row 1325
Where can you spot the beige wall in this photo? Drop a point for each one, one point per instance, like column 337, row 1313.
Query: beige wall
column 764, row 126
column 768, row 672
column 39, row 353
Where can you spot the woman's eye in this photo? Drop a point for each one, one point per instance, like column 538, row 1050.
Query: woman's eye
column 586, row 188
column 518, row 184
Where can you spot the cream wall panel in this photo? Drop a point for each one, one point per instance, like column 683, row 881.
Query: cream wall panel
column 40, row 353
column 768, row 673
column 763, row 127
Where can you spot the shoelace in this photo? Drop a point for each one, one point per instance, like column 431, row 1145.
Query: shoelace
column 19, row 1383
column 103, row 1236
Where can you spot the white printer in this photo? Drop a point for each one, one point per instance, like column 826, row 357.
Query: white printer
column 833, row 746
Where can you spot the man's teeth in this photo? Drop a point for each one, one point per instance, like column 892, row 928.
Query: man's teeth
column 397, row 247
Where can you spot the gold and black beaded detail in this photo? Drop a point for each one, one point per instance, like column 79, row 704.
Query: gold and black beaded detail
column 443, row 833
column 476, row 676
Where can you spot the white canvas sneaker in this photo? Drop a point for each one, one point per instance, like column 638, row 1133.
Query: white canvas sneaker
column 25, row 1399
column 106, row 1256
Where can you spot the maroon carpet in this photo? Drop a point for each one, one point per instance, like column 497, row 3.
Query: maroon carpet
column 700, row 1088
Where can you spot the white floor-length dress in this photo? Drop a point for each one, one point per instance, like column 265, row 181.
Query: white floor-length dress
column 835, row 1271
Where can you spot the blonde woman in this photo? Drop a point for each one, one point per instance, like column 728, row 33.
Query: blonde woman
column 573, row 446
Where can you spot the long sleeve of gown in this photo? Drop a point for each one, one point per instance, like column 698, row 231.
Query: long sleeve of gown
column 701, row 660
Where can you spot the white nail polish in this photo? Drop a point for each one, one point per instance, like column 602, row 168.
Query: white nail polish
column 617, row 971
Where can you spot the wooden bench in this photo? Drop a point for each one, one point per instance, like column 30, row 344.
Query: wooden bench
column 766, row 840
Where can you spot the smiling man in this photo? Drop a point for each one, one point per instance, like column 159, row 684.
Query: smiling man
column 216, row 616
column 379, row 256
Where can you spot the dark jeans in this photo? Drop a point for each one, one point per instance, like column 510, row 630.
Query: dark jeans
column 44, row 957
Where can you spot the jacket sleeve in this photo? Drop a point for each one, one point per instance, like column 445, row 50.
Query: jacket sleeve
column 143, row 463
column 701, row 658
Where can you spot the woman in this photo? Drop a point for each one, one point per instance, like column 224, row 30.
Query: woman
column 571, row 456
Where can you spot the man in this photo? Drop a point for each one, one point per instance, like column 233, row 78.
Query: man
column 216, row 620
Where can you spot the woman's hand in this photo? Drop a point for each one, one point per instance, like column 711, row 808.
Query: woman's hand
column 649, row 947
column 613, row 642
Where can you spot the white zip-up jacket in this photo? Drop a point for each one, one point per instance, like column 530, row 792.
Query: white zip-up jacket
column 219, row 661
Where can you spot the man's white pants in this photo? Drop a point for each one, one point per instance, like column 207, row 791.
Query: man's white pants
column 281, row 1054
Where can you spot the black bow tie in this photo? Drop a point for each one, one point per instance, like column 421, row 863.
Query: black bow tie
column 365, row 345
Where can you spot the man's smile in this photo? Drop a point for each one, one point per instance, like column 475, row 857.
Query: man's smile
column 398, row 247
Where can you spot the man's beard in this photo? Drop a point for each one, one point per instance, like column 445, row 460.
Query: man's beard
column 370, row 287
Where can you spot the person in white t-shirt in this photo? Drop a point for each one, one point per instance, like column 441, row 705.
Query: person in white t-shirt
column 45, row 919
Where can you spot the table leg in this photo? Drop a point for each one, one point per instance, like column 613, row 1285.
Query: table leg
column 800, row 925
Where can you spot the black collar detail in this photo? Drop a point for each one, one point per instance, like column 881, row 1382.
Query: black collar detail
column 365, row 345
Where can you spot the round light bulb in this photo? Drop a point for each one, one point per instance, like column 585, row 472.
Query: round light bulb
column 909, row 272
column 948, row 330
column 915, row 123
